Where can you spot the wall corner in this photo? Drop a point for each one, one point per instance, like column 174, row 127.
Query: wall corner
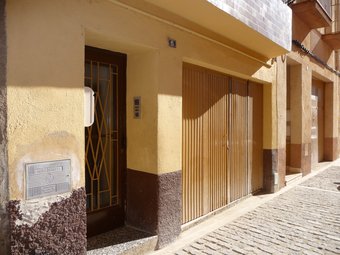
column 4, row 221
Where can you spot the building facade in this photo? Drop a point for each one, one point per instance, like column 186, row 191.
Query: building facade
column 197, row 104
column 312, row 86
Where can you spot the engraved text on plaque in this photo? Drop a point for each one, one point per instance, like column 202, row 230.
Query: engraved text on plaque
column 48, row 178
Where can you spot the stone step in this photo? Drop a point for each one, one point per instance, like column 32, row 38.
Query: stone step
column 122, row 241
column 292, row 177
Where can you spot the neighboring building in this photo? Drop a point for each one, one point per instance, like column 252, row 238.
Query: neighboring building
column 190, row 112
column 312, row 85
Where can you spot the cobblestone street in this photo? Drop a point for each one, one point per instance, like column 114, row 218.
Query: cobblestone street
column 303, row 220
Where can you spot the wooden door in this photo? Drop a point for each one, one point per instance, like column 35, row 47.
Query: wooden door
column 204, row 141
column 238, row 139
column 314, row 127
column 105, row 152
column 222, row 140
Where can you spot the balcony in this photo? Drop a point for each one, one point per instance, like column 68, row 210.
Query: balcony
column 315, row 13
column 251, row 26
column 332, row 39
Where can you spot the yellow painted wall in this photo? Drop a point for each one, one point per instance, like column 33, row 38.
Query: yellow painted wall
column 331, row 109
column 274, row 106
column 45, row 81
column 142, row 133
column 269, row 124
column 45, row 90
column 170, row 112
column 301, row 80
column 166, row 79
column 281, row 100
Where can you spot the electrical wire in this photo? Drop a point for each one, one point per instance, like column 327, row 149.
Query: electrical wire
column 314, row 56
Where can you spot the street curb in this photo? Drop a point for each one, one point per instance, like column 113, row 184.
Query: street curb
column 226, row 215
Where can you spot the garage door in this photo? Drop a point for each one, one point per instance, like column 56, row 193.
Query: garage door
column 222, row 140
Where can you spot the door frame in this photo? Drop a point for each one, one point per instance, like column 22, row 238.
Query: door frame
column 95, row 224
column 318, row 88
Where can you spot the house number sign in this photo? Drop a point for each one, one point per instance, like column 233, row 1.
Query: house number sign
column 48, row 178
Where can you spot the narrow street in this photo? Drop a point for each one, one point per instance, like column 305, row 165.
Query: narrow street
column 305, row 219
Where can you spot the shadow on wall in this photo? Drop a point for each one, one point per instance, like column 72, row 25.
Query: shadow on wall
column 323, row 51
column 300, row 29
column 314, row 43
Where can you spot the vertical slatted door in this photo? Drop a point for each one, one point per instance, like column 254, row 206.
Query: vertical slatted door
column 255, row 140
column 204, row 141
column 192, row 142
column 222, row 140
column 238, row 138
column 215, row 144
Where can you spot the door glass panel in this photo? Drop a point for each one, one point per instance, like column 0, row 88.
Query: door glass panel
column 95, row 195
column 101, row 154
column 115, row 103
column 105, row 199
column 87, row 69
column 87, row 82
column 104, row 177
column 104, row 71
column 114, row 146
column 114, row 69
column 94, row 76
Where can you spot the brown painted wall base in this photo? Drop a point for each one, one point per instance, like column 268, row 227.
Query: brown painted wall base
column 300, row 157
column 274, row 162
column 154, row 204
column 170, row 207
column 141, row 197
column 331, row 148
column 281, row 167
column 60, row 230
column 270, row 165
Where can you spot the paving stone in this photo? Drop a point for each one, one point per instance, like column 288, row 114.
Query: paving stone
column 181, row 252
column 303, row 220
column 191, row 250
column 327, row 180
column 197, row 246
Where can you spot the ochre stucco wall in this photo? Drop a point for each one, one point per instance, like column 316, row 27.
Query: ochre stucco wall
column 142, row 144
column 304, row 69
column 274, row 106
column 331, row 108
column 45, row 82
column 300, row 112
column 45, row 90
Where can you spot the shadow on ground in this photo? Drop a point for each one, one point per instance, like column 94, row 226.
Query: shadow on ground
column 115, row 237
